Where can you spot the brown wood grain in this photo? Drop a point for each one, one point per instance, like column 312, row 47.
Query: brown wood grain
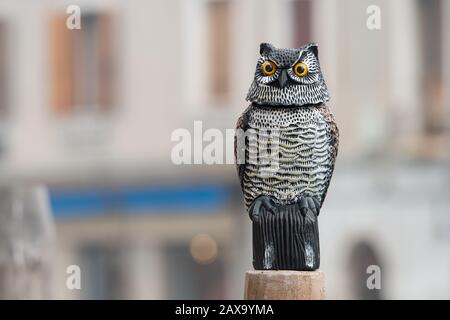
column 284, row 285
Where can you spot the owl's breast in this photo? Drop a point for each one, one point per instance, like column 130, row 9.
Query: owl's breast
column 288, row 153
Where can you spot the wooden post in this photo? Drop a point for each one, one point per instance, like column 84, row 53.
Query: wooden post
column 26, row 233
column 284, row 285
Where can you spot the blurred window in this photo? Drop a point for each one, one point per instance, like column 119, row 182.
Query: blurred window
column 430, row 22
column 362, row 256
column 101, row 273
column 219, row 40
column 301, row 11
column 188, row 279
column 81, row 61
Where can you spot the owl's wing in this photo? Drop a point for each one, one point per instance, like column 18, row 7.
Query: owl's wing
column 334, row 144
column 240, row 144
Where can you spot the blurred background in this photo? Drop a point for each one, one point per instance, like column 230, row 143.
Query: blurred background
column 87, row 115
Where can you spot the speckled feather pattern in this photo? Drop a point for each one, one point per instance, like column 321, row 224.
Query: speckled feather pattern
column 306, row 153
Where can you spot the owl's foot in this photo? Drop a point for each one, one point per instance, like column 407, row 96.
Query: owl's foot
column 309, row 205
column 266, row 202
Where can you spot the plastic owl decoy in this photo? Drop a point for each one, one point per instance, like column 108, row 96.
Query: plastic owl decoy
column 286, row 145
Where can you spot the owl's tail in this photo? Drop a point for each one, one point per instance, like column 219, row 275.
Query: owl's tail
column 287, row 240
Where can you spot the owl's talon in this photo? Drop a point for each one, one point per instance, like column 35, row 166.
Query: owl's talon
column 311, row 203
column 266, row 202
column 303, row 203
column 306, row 204
column 316, row 202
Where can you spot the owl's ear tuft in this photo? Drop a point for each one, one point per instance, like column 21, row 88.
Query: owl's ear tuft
column 265, row 48
column 314, row 48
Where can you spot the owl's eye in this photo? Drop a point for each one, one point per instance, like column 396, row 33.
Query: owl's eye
column 300, row 69
column 269, row 68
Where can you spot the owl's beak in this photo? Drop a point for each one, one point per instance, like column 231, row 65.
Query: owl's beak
column 283, row 79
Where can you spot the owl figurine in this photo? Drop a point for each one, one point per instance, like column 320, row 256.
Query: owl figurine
column 286, row 145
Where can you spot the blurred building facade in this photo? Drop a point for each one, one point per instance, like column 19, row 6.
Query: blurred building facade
column 91, row 112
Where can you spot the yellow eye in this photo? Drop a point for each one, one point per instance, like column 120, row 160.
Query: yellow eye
column 269, row 68
column 300, row 69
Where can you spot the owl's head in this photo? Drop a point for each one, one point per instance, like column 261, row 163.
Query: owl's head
column 288, row 77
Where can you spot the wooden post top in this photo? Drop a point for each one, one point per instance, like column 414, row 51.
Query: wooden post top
column 284, row 285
